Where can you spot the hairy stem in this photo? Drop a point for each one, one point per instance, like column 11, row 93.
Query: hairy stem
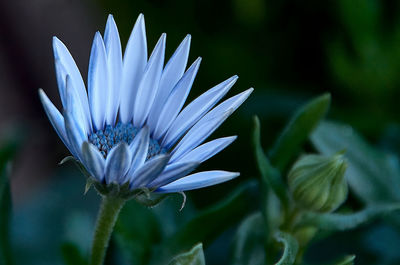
column 106, row 219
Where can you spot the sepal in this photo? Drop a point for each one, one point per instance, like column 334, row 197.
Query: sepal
column 149, row 199
column 144, row 196
column 77, row 163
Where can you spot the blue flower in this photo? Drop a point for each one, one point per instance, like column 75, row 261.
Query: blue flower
column 130, row 126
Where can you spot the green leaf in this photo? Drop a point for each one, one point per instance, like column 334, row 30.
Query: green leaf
column 209, row 224
column 338, row 221
column 193, row 257
column 297, row 131
column 270, row 175
column 72, row 255
column 348, row 260
column 372, row 175
column 291, row 248
column 249, row 241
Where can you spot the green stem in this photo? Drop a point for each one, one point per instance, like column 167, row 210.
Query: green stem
column 108, row 215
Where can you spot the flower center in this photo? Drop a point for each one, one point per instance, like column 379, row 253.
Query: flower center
column 110, row 136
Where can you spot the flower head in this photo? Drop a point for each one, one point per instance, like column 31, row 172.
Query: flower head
column 130, row 127
column 318, row 182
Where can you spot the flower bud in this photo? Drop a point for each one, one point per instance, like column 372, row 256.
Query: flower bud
column 317, row 182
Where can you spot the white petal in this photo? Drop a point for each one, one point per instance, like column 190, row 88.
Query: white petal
column 172, row 73
column 198, row 180
column 61, row 75
column 195, row 110
column 135, row 59
column 117, row 163
column 114, row 66
column 209, row 123
column 93, row 161
column 149, row 171
column 197, row 134
column 231, row 103
column 55, row 117
column 98, row 82
column 207, row 150
column 75, row 135
column 62, row 55
column 175, row 101
column 73, row 106
column 139, row 148
column 173, row 172
column 149, row 84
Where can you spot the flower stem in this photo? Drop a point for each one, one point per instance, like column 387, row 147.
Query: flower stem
column 108, row 215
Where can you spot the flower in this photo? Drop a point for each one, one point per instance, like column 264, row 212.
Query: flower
column 130, row 126
column 318, row 182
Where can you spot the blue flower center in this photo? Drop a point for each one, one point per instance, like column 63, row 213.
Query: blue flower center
column 110, row 136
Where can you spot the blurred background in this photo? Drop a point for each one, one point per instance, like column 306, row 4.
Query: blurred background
column 288, row 50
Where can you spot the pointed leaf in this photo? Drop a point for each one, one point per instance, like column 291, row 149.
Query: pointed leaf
column 269, row 174
column 195, row 256
column 372, row 175
column 339, row 221
column 297, row 131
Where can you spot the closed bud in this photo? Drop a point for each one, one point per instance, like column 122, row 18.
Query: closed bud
column 317, row 182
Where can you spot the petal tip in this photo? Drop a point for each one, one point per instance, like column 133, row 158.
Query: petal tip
column 55, row 40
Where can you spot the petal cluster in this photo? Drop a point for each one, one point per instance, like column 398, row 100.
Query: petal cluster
column 134, row 91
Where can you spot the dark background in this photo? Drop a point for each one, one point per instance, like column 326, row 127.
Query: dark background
column 288, row 50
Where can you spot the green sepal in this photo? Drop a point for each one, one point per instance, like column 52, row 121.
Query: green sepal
column 270, row 175
column 89, row 183
column 77, row 163
column 339, row 221
column 100, row 187
column 291, row 248
column 113, row 189
column 195, row 256
column 348, row 260
column 144, row 196
column 150, row 199
column 66, row 160
column 297, row 131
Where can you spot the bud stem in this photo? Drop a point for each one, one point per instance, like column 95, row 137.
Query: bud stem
column 106, row 219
